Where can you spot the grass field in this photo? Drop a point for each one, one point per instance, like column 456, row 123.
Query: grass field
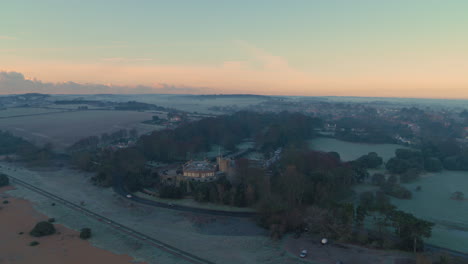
column 63, row 129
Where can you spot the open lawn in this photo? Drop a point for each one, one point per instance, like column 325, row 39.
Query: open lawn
column 63, row 129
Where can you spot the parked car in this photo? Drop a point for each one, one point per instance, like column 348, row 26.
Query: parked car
column 129, row 196
column 303, row 253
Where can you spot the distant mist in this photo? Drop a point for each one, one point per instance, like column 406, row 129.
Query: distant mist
column 16, row 83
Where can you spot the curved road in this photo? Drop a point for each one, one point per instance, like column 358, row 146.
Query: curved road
column 124, row 229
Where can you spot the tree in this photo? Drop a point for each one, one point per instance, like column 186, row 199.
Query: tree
column 366, row 200
column 410, row 175
column 397, row 165
column 371, row 160
column 360, row 215
column 294, row 186
column 457, row 196
column 433, row 164
column 410, row 229
column 43, row 228
column 4, row 180
column 85, row 233
column 378, row 179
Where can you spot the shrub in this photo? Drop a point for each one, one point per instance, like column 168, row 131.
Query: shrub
column 51, row 220
column 397, row 191
column 410, row 175
column 378, row 179
column 85, row 233
column 4, row 180
column 457, row 196
column 34, row 243
column 366, row 200
column 42, row 229
column 6, row 202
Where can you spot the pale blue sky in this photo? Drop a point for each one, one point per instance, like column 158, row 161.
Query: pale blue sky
column 328, row 40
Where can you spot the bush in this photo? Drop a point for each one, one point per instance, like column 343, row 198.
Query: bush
column 457, row 196
column 409, row 176
column 51, row 220
column 42, row 229
column 85, row 233
column 171, row 192
column 34, row 243
column 378, row 179
column 433, row 164
column 397, row 191
column 366, row 200
column 4, row 180
column 6, row 202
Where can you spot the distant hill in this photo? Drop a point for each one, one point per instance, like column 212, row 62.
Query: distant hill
column 215, row 96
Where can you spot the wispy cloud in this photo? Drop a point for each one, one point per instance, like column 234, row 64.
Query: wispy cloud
column 7, row 37
column 16, row 83
column 120, row 59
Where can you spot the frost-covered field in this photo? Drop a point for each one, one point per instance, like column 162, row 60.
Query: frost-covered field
column 19, row 111
column 219, row 239
column 432, row 202
column 63, row 129
column 180, row 102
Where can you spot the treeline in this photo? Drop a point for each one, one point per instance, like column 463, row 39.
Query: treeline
column 137, row 106
column 270, row 131
column 28, row 152
column 431, row 157
column 93, row 142
column 368, row 129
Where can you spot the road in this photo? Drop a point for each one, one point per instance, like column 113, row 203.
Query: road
column 121, row 228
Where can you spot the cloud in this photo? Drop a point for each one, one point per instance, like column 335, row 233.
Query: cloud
column 16, row 83
column 120, row 59
column 7, row 38
column 267, row 60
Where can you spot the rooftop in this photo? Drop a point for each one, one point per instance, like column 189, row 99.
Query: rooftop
column 199, row 166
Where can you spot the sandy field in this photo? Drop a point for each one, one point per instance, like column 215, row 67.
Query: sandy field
column 63, row 247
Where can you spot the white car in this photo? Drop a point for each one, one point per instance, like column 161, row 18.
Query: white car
column 303, row 253
column 129, row 196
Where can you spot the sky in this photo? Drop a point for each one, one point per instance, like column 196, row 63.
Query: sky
column 375, row 48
